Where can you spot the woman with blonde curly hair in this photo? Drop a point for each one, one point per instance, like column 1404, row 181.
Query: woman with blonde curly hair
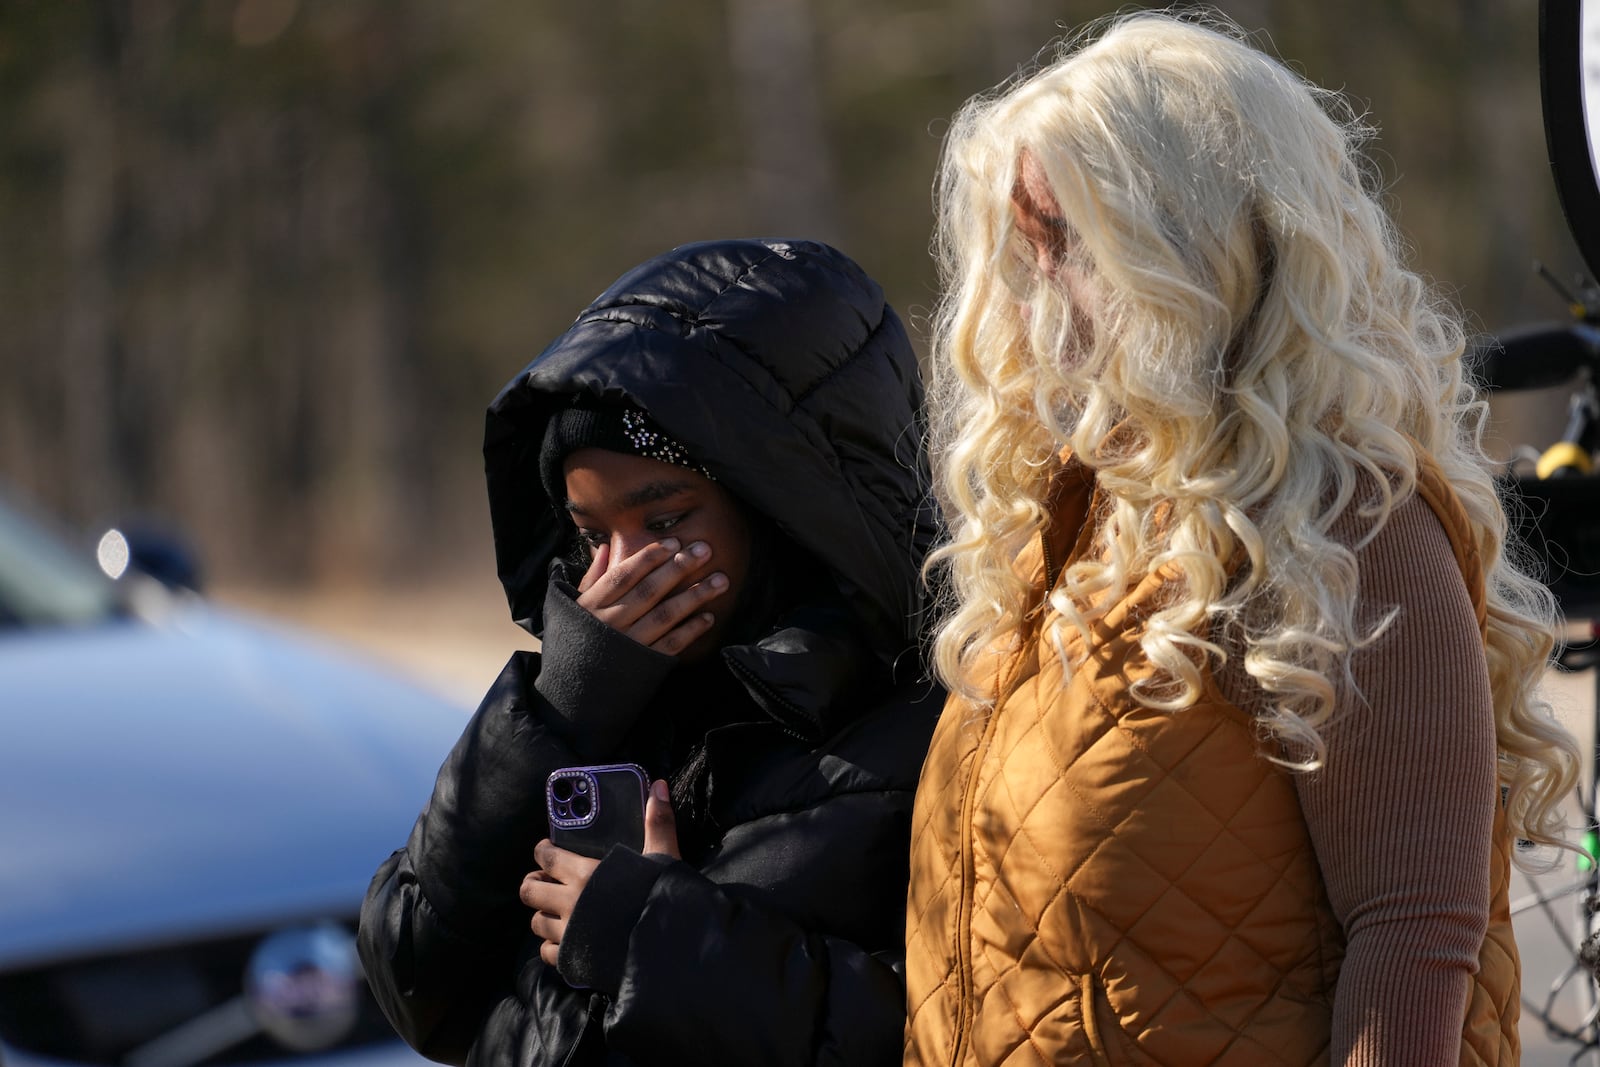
column 1243, row 721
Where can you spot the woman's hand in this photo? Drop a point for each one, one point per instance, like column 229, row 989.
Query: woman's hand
column 553, row 890
column 637, row 596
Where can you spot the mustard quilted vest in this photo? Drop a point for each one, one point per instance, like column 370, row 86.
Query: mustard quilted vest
column 1096, row 882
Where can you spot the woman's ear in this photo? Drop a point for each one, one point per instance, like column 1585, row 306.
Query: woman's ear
column 1038, row 215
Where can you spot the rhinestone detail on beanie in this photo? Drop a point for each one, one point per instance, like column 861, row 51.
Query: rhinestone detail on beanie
column 653, row 444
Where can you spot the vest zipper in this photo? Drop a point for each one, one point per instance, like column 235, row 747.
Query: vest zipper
column 964, row 908
column 1049, row 564
column 1004, row 673
column 1089, row 992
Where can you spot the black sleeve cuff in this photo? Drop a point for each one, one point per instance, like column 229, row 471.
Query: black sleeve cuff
column 594, row 678
column 594, row 949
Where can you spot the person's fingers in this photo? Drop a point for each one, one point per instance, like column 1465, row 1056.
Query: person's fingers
column 618, row 591
column 550, row 952
column 541, row 892
column 561, row 866
column 597, row 566
column 660, row 823
column 652, row 591
column 551, row 858
column 532, row 888
column 675, row 610
column 552, row 904
column 547, row 927
column 684, row 634
column 655, row 603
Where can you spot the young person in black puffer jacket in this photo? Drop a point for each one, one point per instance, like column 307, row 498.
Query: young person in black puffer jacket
column 709, row 499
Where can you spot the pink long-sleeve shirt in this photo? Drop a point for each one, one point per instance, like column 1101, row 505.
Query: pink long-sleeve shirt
column 1401, row 813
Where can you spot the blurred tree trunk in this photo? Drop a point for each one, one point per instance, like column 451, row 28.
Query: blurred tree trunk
column 1251, row 15
column 261, row 273
column 1013, row 32
column 788, row 159
column 86, row 104
column 1499, row 127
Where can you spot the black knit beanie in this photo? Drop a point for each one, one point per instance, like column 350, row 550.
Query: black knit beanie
column 614, row 427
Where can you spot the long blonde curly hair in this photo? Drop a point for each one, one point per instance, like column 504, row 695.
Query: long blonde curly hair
column 1235, row 348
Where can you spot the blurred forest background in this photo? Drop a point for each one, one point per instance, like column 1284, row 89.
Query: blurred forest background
column 264, row 262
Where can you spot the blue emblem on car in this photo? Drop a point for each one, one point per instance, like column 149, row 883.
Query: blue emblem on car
column 303, row 986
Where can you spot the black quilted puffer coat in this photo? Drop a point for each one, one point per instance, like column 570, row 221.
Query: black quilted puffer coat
column 778, row 939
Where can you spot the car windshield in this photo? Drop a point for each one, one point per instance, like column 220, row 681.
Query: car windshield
column 42, row 582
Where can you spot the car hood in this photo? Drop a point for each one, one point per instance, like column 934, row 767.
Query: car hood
column 209, row 772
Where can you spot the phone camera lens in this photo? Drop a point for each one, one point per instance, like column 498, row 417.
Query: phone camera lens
column 561, row 789
column 581, row 807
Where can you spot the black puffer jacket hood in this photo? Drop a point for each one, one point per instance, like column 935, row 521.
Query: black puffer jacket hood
column 781, row 368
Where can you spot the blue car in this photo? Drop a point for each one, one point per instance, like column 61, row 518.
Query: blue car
column 191, row 805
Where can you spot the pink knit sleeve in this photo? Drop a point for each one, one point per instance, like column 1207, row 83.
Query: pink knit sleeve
column 1401, row 815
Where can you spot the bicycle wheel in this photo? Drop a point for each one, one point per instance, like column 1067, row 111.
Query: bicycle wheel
column 1555, row 923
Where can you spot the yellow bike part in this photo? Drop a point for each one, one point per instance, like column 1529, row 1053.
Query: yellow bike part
column 1563, row 455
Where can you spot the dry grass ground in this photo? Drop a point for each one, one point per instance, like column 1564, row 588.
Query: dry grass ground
column 451, row 634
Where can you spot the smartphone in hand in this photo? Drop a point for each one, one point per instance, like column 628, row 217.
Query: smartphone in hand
column 594, row 807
